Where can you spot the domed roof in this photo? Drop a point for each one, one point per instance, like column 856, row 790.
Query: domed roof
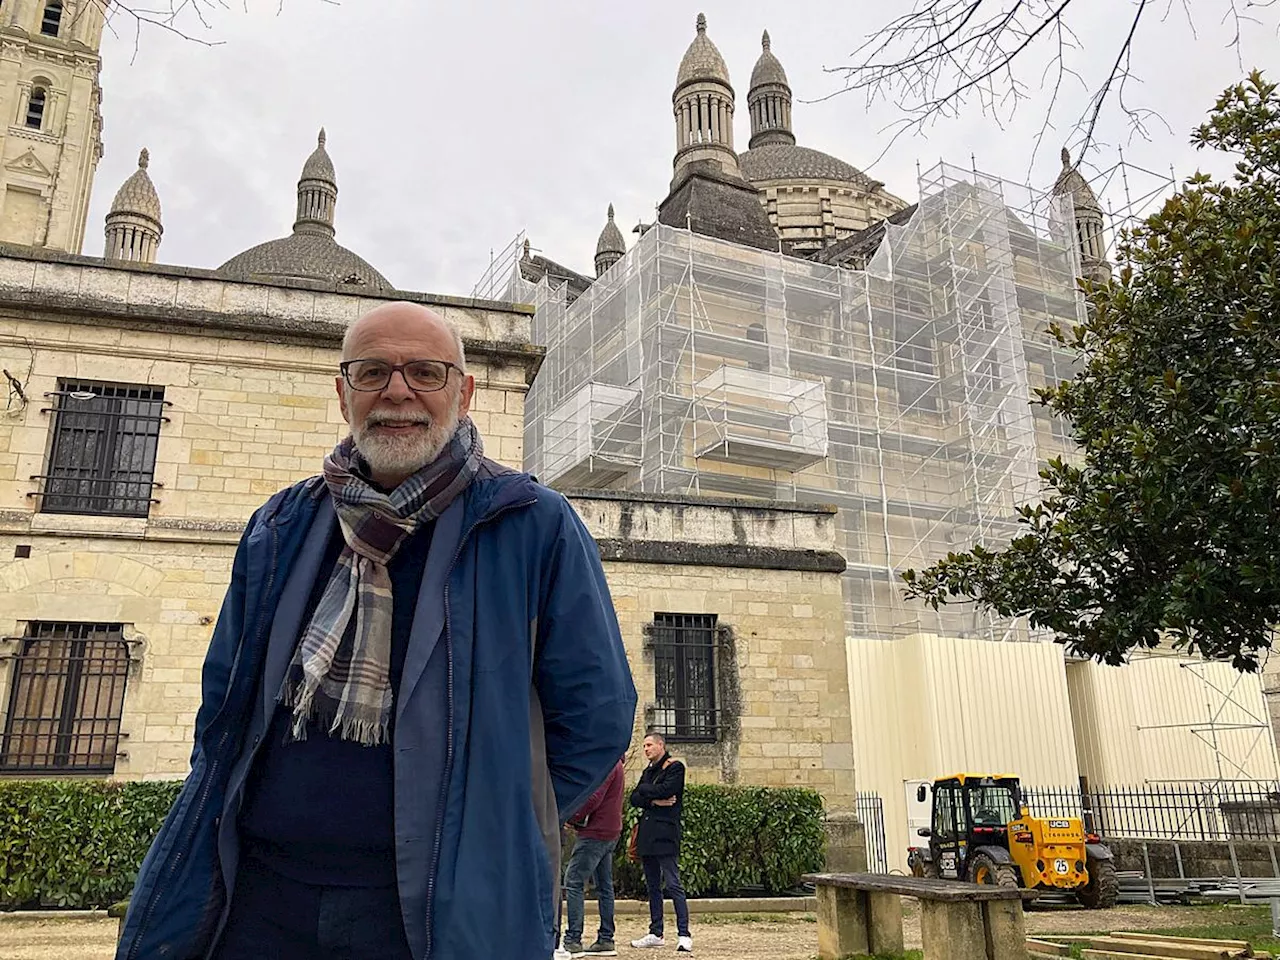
column 768, row 68
column 1071, row 181
column 318, row 165
column 137, row 195
column 304, row 256
column 610, row 237
column 310, row 252
column 780, row 161
column 702, row 61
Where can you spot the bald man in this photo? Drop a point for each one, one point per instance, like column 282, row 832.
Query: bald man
column 416, row 677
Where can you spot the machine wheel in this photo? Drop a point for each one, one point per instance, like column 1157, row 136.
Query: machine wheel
column 984, row 869
column 1103, row 888
column 926, row 869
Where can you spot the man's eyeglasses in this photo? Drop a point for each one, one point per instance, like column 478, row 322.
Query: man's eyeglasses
column 421, row 376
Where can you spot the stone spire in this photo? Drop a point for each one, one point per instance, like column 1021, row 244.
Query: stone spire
column 769, row 101
column 703, row 103
column 1088, row 218
column 610, row 248
column 133, row 224
column 317, row 193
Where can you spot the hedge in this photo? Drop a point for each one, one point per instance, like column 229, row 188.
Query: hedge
column 76, row 843
column 736, row 840
column 79, row 843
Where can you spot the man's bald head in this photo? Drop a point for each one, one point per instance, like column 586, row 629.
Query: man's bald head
column 399, row 428
column 406, row 322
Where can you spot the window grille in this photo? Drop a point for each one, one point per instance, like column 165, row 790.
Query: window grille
column 65, row 699
column 52, row 19
column 684, row 655
column 104, row 449
column 35, row 108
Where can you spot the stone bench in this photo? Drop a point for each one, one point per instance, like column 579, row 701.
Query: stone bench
column 861, row 913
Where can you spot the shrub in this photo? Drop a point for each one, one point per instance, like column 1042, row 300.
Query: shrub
column 79, row 843
column 76, row 843
column 736, row 838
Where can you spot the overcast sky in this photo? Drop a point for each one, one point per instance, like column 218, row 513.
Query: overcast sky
column 453, row 126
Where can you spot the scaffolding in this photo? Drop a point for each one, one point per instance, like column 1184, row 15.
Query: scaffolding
column 902, row 393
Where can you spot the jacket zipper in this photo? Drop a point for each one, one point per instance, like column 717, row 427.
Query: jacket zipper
column 210, row 769
column 448, row 754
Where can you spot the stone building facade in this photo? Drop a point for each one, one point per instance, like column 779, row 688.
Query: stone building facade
column 151, row 409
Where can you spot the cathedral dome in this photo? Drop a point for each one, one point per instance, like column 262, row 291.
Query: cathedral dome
column 303, row 256
column 310, row 252
column 702, row 61
column 768, row 68
column 780, row 161
column 137, row 195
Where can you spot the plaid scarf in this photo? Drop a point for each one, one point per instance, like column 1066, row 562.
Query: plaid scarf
column 340, row 673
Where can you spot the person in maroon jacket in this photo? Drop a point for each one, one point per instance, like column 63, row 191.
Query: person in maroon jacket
column 598, row 824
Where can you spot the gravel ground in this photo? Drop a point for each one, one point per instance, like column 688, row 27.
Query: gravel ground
column 790, row 936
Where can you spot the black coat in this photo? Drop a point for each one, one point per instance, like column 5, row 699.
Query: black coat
column 659, row 834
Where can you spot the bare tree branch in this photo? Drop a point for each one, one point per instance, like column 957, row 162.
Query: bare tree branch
column 944, row 54
column 177, row 17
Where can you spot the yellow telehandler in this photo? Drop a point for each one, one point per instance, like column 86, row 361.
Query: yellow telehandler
column 982, row 831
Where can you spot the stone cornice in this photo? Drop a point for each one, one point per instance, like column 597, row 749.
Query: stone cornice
column 40, row 255
column 697, row 500
column 679, row 553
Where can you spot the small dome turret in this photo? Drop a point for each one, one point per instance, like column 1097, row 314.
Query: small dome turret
column 133, row 227
column 703, row 105
column 702, row 61
column 1088, row 218
column 611, row 247
column 769, row 101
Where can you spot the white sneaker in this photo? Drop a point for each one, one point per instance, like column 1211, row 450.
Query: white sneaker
column 562, row 954
column 684, row 945
column 648, row 942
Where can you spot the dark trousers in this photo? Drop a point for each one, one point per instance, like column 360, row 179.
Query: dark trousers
column 273, row 916
column 660, row 871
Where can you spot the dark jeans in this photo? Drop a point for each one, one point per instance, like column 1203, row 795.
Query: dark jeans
column 273, row 916
column 590, row 858
column 657, row 872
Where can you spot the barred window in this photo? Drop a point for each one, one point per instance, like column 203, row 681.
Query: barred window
column 65, row 699
column 103, row 456
column 684, row 654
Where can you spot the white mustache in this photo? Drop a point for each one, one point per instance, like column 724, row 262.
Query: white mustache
column 376, row 419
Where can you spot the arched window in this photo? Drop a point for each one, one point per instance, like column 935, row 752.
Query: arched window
column 35, row 108
column 52, row 19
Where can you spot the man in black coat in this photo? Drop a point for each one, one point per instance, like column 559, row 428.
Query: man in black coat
column 660, row 797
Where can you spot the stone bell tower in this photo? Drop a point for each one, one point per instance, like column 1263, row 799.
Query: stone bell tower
column 51, row 137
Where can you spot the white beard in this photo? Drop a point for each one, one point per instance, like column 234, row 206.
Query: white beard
column 407, row 453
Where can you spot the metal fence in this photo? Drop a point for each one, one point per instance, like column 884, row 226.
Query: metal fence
column 1201, row 810
column 871, row 815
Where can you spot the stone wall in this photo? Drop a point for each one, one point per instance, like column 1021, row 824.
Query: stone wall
column 1199, row 858
column 760, row 569
column 769, row 573
column 248, row 372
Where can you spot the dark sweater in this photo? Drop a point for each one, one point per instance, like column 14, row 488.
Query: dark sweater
column 321, row 810
column 600, row 818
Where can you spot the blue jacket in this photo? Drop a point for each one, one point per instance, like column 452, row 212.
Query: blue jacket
column 540, row 701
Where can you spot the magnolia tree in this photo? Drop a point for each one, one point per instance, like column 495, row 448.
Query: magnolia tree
column 1166, row 526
